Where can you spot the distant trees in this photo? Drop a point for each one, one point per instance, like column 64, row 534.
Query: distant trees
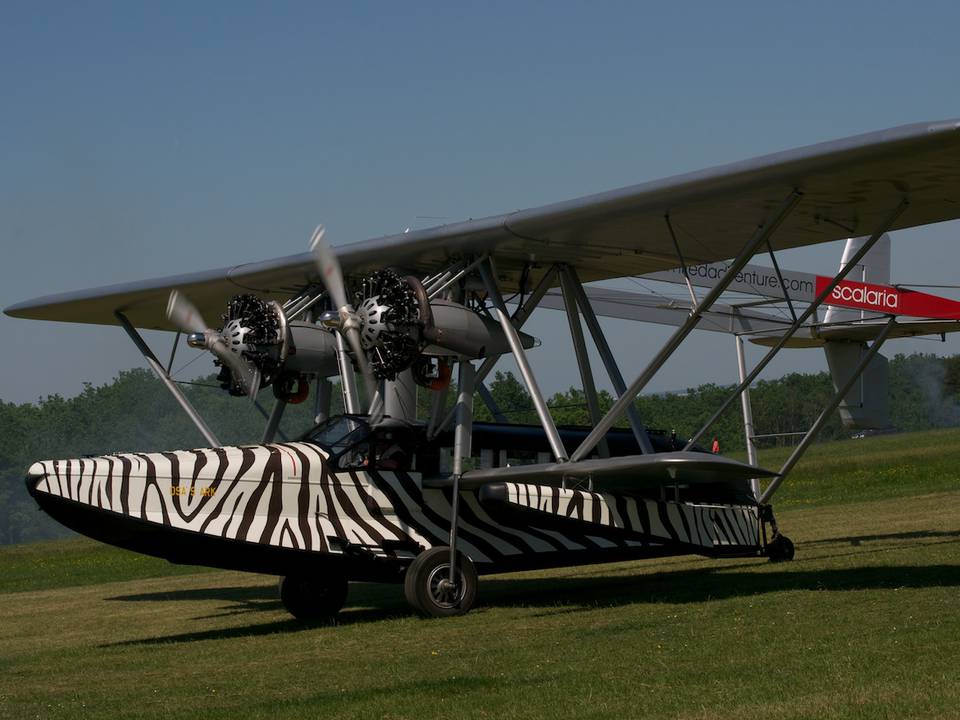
column 134, row 412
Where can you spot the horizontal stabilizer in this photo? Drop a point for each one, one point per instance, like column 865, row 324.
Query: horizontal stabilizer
column 618, row 474
column 865, row 331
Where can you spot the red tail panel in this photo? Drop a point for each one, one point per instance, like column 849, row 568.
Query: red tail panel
column 889, row 300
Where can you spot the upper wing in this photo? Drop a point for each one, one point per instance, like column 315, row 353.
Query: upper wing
column 848, row 187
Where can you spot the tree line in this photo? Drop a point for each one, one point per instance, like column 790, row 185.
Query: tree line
column 134, row 412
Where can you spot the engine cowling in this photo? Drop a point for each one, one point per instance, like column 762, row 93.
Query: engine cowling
column 398, row 327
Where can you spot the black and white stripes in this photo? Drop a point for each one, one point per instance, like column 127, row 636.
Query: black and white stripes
column 702, row 525
column 284, row 495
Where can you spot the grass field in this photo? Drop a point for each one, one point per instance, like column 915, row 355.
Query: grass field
column 864, row 623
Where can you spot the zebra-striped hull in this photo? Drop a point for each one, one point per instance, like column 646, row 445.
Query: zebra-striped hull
column 275, row 508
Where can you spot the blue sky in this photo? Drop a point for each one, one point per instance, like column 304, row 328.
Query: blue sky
column 141, row 139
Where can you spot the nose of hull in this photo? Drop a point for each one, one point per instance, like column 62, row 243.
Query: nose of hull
column 36, row 475
column 198, row 507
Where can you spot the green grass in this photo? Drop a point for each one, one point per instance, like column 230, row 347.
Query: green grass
column 863, row 624
column 64, row 563
column 885, row 466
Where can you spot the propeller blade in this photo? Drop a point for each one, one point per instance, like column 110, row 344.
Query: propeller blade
column 370, row 385
column 332, row 276
column 183, row 314
column 243, row 372
column 329, row 268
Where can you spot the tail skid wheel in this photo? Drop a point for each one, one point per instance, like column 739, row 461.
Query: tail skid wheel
column 427, row 586
column 780, row 549
column 313, row 598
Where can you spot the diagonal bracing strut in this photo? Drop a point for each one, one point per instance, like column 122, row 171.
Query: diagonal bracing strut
column 518, row 319
column 580, row 350
column 804, row 316
column 826, row 412
column 516, row 347
column 626, row 399
column 167, row 380
column 609, row 362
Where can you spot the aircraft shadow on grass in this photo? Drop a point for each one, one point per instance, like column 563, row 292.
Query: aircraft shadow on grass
column 577, row 594
column 857, row 540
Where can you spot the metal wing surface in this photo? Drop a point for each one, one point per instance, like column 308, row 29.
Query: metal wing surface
column 849, row 186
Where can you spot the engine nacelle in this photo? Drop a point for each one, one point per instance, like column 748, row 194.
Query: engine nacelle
column 398, row 326
column 313, row 350
column 459, row 331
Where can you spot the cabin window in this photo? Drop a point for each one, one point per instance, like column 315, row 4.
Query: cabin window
column 517, row 456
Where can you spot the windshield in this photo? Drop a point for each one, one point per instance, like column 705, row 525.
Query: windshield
column 338, row 433
column 351, row 443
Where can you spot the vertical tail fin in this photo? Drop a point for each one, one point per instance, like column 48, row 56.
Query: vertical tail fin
column 873, row 268
column 866, row 406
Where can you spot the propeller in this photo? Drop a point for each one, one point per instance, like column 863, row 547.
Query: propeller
column 182, row 313
column 332, row 277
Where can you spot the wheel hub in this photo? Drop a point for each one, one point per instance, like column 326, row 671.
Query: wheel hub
column 444, row 593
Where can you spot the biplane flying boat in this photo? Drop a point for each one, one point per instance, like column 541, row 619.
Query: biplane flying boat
column 377, row 495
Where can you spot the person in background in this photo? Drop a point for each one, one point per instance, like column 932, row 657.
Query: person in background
column 715, row 448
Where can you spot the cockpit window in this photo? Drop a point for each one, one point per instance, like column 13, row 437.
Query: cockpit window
column 351, row 443
column 338, row 434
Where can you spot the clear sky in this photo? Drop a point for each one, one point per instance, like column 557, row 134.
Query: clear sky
column 145, row 139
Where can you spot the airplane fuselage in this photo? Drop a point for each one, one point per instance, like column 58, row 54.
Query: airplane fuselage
column 291, row 507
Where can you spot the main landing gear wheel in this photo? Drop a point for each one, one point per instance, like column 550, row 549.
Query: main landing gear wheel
column 427, row 585
column 780, row 549
column 313, row 598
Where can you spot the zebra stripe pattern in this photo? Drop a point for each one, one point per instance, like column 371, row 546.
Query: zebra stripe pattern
column 285, row 495
column 707, row 526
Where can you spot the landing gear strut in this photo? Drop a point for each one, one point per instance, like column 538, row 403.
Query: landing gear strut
column 427, row 585
column 313, row 598
column 779, row 548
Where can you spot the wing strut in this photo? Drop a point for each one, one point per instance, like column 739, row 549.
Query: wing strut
column 609, row 362
column 491, row 404
column 747, row 411
column 165, row 378
column 783, row 285
column 683, row 263
column 518, row 319
column 559, row 452
column 323, row 396
column 580, row 350
column 626, row 399
column 804, row 316
column 825, row 414
column 273, row 422
column 462, row 438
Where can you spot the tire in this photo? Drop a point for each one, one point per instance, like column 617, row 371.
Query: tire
column 312, row 598
column 780, row 549
column 424, row 591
